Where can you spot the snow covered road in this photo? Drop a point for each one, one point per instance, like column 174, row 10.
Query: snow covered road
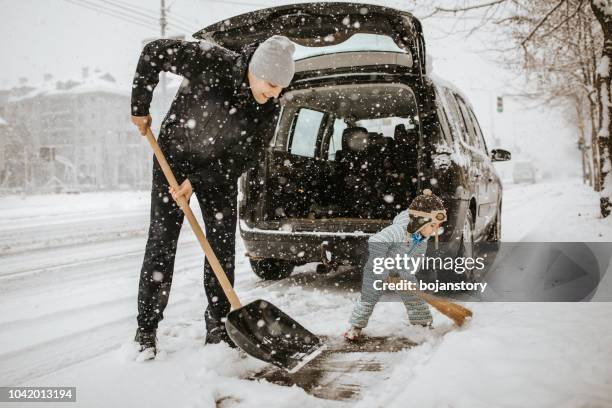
column 69, row 268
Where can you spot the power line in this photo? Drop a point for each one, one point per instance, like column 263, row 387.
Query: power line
column 113, row 12
column 97, row 9
column 130, row 11
column 183, row 24
column 145, row 17
column 142, row 12
column 180, row 19
column 240, row 3
column 180, row 27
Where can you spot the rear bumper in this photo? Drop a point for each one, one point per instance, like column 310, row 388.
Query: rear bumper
column 304, row 246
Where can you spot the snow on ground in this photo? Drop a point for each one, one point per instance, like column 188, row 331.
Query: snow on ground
column 562, row 210
column 68, row 306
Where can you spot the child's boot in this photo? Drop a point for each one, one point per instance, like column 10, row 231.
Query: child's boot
column 352, row 334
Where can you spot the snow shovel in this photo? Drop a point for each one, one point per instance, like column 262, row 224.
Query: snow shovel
column 259, row 328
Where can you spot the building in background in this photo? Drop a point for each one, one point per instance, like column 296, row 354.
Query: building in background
column 71, row 135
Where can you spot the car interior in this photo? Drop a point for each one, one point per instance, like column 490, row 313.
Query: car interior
column 345, row 151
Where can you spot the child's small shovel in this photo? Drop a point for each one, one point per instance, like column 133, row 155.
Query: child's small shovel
column 259, row 328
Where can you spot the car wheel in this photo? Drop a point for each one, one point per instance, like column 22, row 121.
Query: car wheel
column 271, row 269
column 495, row 232
column 466, row 248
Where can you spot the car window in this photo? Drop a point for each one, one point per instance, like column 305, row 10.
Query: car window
column 455, row 115
column 445, row 130
column 304, row 132
column 382, row 126
column 357, row 42
column 308, row 125
column 479, row 134
column 472, row 138
column 386, row 126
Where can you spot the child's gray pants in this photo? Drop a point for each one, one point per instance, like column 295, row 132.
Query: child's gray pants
column 418, row 310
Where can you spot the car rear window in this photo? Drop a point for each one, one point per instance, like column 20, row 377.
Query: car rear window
column 383, row 127
column 357, row 42
column 313, row 120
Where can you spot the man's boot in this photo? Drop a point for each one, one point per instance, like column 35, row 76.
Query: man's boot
column 147, row 340
column 217, row 335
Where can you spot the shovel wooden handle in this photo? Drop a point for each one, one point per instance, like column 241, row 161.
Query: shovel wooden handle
column 457, row 313
column 195, row 226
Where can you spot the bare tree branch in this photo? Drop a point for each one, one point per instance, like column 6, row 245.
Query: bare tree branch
column 565, row 20
column 468, row 8
column 536, row 28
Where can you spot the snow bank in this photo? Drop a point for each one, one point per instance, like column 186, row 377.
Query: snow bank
column 511, row 354
column 72, row 325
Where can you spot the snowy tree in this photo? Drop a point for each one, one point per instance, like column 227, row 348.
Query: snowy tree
column 555, row 44
column 603, row 11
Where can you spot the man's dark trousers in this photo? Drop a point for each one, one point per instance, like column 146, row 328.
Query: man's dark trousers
column 216, row 193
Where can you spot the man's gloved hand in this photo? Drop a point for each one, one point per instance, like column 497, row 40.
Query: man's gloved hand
column 142, row 123
column 184, row 190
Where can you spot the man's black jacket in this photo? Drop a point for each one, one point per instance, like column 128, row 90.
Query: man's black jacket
column 214, row 122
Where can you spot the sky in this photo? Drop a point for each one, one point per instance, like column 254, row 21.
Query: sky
column 60, row 37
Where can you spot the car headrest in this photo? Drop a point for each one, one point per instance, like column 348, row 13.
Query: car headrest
column 376, row 138
column 400, row 134
column 406, row 136
column 354, row 139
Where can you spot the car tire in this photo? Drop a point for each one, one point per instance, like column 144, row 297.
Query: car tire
column 494, row 234
column 271, row 269
column 466, row 248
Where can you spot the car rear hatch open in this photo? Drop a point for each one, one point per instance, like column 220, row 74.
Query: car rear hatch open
column 344, row 159
column 320, row 25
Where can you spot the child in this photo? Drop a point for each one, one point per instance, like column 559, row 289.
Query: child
column 408, row 234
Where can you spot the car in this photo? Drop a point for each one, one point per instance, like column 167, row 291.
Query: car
column 524, row 172
column 363, row 129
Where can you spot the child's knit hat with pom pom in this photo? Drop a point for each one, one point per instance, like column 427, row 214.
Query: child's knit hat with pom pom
column 426, row 202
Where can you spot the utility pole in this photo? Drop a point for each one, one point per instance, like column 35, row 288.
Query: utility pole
column 162, row 91
column 162, row 25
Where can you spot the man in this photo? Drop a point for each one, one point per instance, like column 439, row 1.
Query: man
column 218, row 125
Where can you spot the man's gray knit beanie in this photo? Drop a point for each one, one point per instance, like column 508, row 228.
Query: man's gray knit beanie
column 273, row 61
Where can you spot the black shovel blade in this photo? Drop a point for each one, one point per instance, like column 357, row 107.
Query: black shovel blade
column 263, row 331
